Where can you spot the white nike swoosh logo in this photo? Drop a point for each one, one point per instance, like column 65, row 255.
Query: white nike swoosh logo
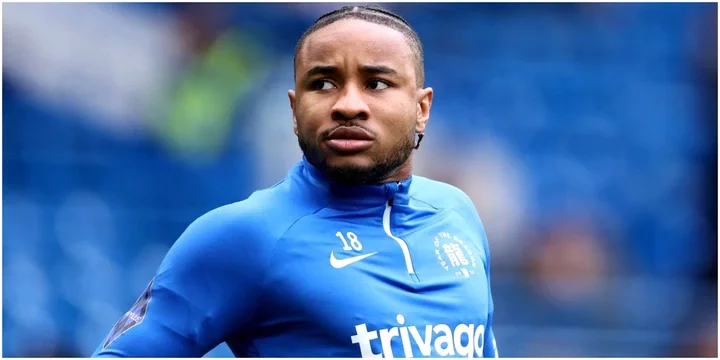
column 341, row 263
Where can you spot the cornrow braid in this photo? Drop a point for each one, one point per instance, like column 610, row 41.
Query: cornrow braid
column 377, row 15
column 371, row 7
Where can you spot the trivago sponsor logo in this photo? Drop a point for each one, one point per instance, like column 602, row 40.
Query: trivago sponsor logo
column 428, row 340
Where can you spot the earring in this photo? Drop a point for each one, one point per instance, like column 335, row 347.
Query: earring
column 420, row 137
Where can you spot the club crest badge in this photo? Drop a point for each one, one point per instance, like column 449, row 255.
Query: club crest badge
column 454, row 255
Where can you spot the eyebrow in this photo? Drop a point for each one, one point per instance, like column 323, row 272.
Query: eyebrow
column 378, row 69
column 322, row 70
column 333, row 70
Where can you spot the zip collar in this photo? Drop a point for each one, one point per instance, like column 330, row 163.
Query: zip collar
column 397, row 193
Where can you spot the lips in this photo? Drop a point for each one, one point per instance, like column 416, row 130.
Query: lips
column 349, row 140
column 350, row 133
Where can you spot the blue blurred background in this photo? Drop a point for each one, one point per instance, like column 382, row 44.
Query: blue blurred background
column 586, row 135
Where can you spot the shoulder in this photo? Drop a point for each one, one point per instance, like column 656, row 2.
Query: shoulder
column 442, row 195
column 251, row 226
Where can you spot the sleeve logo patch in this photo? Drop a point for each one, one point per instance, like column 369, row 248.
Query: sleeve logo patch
column 132, row 318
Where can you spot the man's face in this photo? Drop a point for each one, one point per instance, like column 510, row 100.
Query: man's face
column 356, row 104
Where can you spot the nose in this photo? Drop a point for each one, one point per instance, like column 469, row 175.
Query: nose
column 350, row 105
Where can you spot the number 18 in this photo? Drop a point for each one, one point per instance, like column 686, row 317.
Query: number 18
column 354, row 241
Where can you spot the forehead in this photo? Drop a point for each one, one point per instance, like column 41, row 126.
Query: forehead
column 358, row 40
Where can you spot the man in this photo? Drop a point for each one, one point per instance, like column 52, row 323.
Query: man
column 349, row 255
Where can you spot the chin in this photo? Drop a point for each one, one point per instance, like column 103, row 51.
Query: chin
column 359, row 160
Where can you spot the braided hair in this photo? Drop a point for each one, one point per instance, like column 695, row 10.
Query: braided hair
column 377, row 15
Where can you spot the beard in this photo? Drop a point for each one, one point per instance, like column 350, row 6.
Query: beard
column 383, row 166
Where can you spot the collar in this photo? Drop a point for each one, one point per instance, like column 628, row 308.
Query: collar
column 354, row 195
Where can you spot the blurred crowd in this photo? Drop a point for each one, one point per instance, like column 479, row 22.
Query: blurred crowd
column 586, row 135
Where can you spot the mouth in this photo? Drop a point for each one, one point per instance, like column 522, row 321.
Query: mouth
column 349, row 140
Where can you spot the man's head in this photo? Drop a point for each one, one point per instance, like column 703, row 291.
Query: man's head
column 359, row 99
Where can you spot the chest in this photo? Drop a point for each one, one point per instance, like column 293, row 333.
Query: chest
column 383, row 282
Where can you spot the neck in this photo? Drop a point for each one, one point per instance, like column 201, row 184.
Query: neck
column 394, row 187
column 401, row 173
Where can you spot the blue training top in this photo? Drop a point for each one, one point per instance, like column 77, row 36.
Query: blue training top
column 310, row 268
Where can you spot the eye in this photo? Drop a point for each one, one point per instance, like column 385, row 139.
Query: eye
column 322, row 85
column 377, row 85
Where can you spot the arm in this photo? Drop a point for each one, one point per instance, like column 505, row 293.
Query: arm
column 489, row 344
column 204, row 290
column 490, row 350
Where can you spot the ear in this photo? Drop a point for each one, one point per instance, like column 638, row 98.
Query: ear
column 425, row 97
column 291, row 96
